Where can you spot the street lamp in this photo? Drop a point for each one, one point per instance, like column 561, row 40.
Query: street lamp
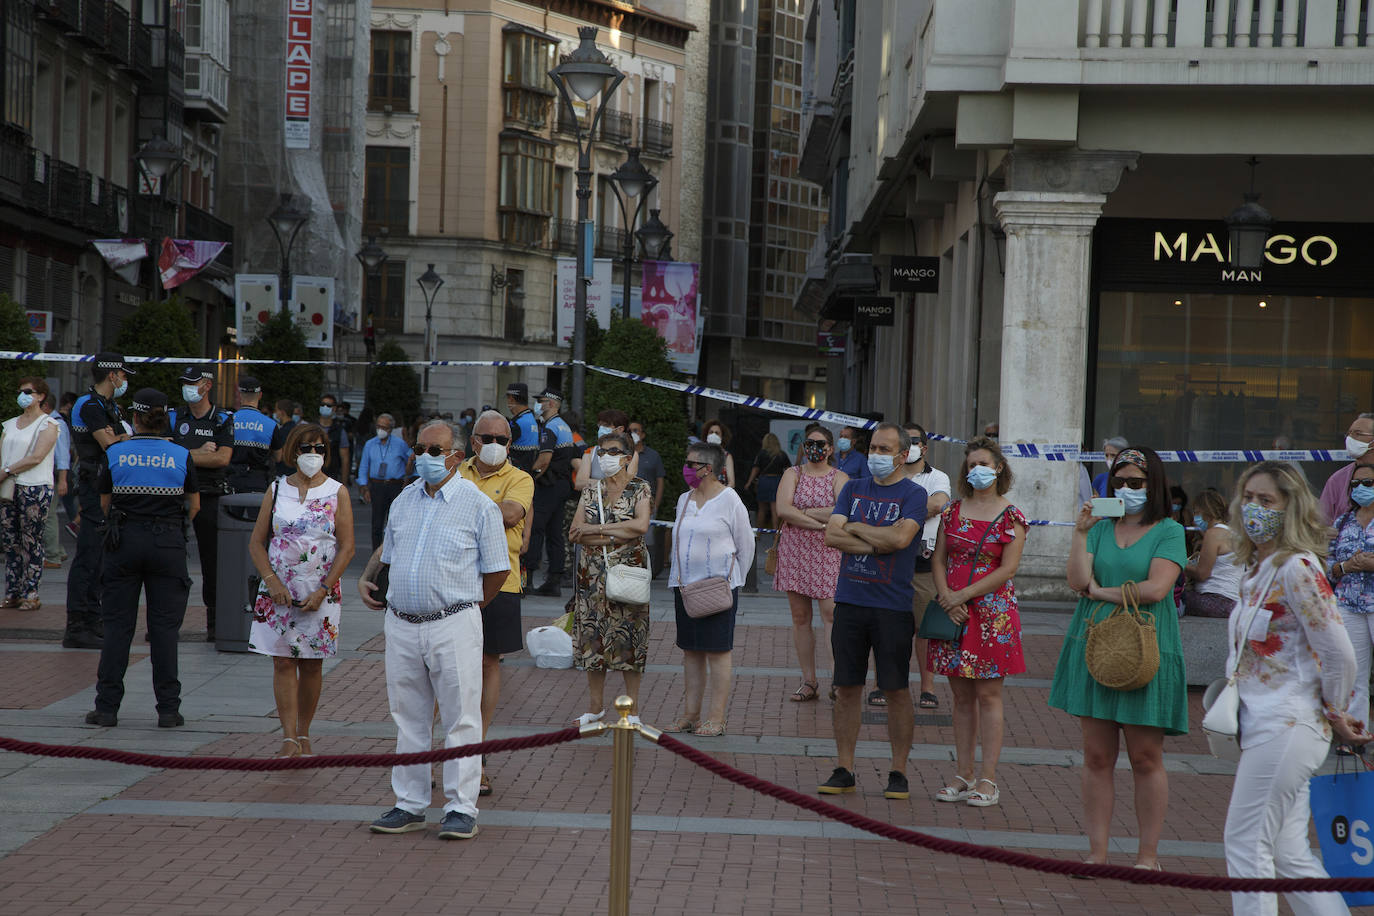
column 654, row 238
column 372, row 257
column 1248, row 227
column 429, row 285
column 631, row 180
column 158, row 162
column 584, row 73
column 286, row 222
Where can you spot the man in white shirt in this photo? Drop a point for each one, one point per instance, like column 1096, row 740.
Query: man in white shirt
column 936, row 484
column 444, row 554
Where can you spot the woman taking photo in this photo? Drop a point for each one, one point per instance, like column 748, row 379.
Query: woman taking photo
column 1294, row 685
column 976, row 554
column 713, row 432
column 1351, row 569
column 768, row 469
column 26, row 472
column 611, row 520
column 1145, row 546
column 807, row 569
column 1213, row 576
column 711, row 538
column 302, row 544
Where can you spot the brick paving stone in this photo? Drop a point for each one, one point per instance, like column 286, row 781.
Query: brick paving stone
column 33, row 680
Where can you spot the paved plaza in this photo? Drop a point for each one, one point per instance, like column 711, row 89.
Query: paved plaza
column 90, row 837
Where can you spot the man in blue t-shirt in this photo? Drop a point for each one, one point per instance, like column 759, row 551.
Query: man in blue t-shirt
column 877, row 525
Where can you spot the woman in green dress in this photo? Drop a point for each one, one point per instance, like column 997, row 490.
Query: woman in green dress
column 1146, row 547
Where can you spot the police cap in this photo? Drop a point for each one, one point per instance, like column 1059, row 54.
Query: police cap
column 112, row 361
column 146, row 399
column 520, row 391
column 249, row 384
column 549, row 394
column 193, row 374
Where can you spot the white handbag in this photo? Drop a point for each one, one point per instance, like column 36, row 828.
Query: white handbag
column 625, row 584
column 1221, row 724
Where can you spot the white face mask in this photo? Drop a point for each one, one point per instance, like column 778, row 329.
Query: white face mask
column 1355, row 447
column 382, row 433
column 636, row 438
column 713, row 438
column 190, row 394
column 913, row 454
column 610, row 464
column 309, row 463
column 492, row 454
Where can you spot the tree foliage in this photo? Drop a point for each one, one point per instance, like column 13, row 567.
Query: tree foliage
column 15, row 335
column 279, row 338
column 394, row 389
column 632, row 346
column 159, row 329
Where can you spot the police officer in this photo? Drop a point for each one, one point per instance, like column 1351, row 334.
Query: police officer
column 208, row 434
column 147, row 489
column 256, row 438
column 524, row 447
column 553, row 473
column 96, row 425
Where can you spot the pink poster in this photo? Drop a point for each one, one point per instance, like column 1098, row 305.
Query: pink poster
column 669, row 306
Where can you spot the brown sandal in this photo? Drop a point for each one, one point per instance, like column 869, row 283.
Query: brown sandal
column 808, row 691
column 30, row 604
column 709, row 729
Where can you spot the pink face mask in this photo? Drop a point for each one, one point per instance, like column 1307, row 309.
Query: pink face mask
column 692, row 476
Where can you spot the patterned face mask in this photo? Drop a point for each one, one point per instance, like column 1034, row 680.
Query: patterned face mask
column 1262, row 524
column 814, row 451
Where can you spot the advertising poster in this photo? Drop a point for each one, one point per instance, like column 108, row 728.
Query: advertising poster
column 598, row 296
column 669, row 306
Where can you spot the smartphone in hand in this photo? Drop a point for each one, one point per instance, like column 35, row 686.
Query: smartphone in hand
column 1108, row 507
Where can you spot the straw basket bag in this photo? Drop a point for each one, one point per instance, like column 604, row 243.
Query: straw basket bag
column 1123, row 648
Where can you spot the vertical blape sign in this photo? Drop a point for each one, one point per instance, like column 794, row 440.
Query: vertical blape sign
column 300, row 24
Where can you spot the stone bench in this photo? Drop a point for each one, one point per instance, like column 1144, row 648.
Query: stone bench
column 1204, row 648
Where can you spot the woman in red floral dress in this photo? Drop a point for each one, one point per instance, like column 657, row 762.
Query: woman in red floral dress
column 978, row 594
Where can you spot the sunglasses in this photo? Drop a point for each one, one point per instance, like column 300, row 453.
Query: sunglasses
column 816, row 442
column 433, row 451
column 698, row 465
column 613, row 452
column 1368, row 482
column 487, row 440
column 1129, row 483
column 319, row 448
column 27, row 391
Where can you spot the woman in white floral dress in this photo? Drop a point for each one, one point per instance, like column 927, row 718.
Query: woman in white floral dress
column 302, row 544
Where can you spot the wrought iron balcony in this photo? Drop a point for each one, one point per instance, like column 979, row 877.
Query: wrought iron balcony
column 140, row 50
column 93, row 22
column 65, row 14
column 656, row 137
column 563, row 235
column 567, row 120
column 117, row 33
column 615, row 127
column 14, row 166
column 610, row 242
column 207, row 227
column 70, row 188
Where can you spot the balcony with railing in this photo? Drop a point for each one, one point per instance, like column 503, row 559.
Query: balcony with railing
column 93, row 22
column 388, row 92
column 207, row 87
column 563, row 235
column 1225, row 24
column 140, row 50
column 610, row 242
column 117, row 34
column 65, row 14
column 656, row 138
column 14, row 164
column 615, row 127
column 567, row 122
column 207, row 227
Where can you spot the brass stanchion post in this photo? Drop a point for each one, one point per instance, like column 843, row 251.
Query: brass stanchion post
column 622, row 774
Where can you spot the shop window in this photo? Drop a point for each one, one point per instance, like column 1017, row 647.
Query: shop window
column 386, row 296
column 386, row 204
column 389, row 80
column 526, row 177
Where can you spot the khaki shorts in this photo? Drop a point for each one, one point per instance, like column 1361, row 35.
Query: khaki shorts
column 924, row 585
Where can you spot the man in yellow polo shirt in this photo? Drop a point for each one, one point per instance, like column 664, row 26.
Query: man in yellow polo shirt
column 513, row 492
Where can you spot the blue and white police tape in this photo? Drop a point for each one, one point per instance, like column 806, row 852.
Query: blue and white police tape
column 199, row 360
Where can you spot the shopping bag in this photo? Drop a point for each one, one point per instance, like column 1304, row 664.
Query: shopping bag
column 550, row 646
column 1343, row 810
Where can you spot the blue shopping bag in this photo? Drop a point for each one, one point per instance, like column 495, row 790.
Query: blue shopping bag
column 1343, row 810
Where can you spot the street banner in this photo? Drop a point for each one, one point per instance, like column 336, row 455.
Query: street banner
column 123, row 256
column 598, row 295
column 182, row 259
column 669, row 305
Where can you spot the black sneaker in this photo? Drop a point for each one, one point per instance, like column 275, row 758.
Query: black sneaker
column 103, row 719
column 398, row 821
column 458, row 826
column 897, row 786
column 82, row 640
column 841, row 782
column 170, row 720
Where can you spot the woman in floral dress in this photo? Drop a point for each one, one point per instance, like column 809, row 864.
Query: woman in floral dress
column 977, row 593
column 302, row 544
column 612, row 515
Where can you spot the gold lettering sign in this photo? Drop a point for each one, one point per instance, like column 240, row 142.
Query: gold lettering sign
column 1316, row 250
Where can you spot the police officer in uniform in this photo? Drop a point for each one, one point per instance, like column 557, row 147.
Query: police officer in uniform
column 256, row 437
column 553, row 473
column 524, row 427
column 96, row 425
column 147, row 489
column 208, row 434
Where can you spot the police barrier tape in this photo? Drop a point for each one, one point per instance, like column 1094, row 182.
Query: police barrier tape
column 1044, row 451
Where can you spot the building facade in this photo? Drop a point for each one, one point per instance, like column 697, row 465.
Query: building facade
column 470, row 158
column 1072, row 163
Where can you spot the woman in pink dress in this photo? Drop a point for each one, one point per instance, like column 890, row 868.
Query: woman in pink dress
column 977, row 593
column 807, row 569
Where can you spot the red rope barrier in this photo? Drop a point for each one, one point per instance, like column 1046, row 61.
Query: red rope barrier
column 133, row 758
column 1007, row 856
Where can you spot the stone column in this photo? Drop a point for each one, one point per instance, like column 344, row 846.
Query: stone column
column 1052, row 203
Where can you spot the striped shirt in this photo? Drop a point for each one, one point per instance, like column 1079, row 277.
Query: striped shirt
column 440, row 546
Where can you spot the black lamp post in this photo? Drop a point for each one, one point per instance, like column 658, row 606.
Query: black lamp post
column 654, row 239
column 585, row 73
column 372, row 257
column 286, row 222
column 631, row 181
column 429, row 285
column 158, row 162
column 1249, row 226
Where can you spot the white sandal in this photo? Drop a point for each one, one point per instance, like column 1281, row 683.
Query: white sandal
column 984, row 799
column 587, row 718
column 953, row 794
column 293, row 741
column 303, row 742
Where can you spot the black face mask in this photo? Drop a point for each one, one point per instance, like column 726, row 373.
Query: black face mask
column 814, row 451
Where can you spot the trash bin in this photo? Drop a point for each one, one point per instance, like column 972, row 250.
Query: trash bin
column 238, row 577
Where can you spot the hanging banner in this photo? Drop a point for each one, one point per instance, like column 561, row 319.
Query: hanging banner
column 669, row 306
column 123, row 256
column 256, row 299
column 182, row 259
column 598, row 295
column 300, row 51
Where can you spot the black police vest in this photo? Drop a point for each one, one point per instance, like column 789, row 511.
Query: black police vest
column 253, row 431
column 192, row 432
column 83, row 438
column 149, row 477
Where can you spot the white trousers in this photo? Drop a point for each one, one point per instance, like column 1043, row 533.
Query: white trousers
column 1266, row 826
column 1361, row 630
column 425, row 662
